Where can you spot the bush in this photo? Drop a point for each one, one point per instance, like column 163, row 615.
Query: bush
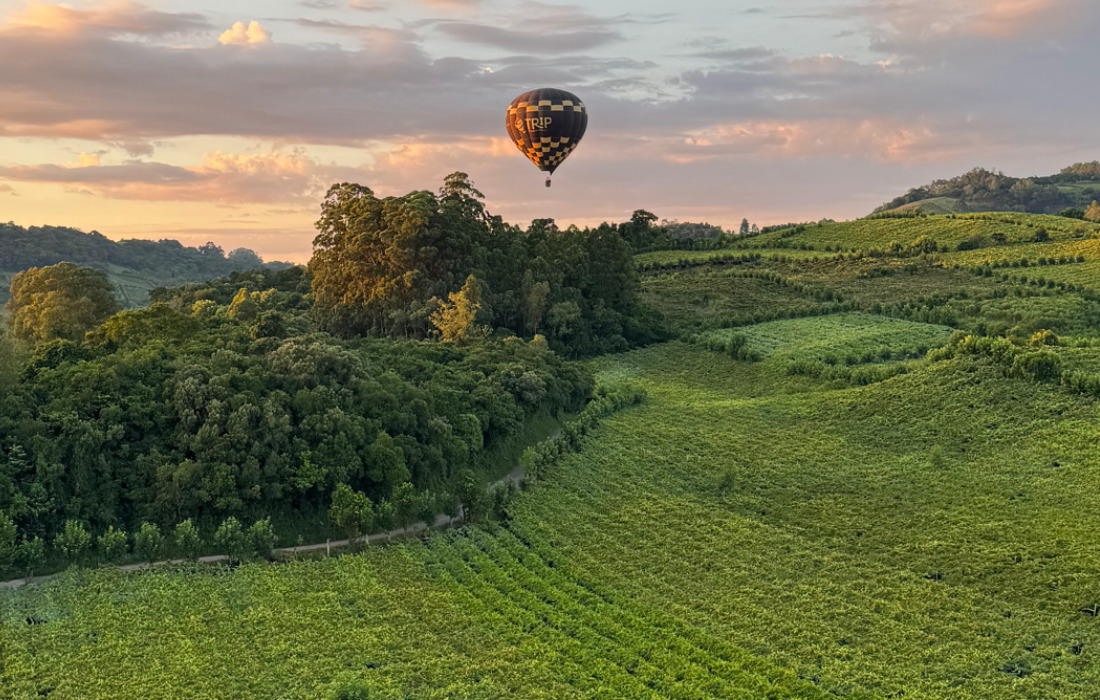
column 188, row 542
column 148, row 542
column 74, row 540
column 113, row 544
column 261, row 537
column 232, row 540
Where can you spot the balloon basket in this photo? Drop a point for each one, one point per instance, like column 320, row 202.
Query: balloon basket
column 547, row 182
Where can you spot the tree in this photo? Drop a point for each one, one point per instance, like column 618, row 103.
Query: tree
column 232, row 539
column 74, row 540
column 406, row 504
column 244, row 258
column 1093, row 211
column 351, row 511
column 149, row 542
column 113, row 544
column 30, row 554
column 261, row 537
column 744, row 230
column 456, row 320
column 471, row 494
column 59, row 301
column 187, row 539
column 387, row 463
column 378, row 262
column 212, row 249
column 8, row 547
column 755, row 229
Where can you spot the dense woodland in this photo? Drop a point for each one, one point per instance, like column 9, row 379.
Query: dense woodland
column 424, row 333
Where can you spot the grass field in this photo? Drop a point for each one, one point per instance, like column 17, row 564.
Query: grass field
column 746, row 532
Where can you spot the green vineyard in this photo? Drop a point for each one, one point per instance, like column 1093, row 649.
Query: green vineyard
column 851, row 477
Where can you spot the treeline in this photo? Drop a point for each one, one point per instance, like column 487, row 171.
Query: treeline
column 425, row 265
column 982, row 190
column 38, row 246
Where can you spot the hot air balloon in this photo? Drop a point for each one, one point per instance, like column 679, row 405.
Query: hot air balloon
column 546, row 125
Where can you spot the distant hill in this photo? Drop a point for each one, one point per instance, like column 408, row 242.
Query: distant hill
column 982, row 190
column 134, row 266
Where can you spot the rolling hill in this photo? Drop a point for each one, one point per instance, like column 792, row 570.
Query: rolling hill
column 863, row 470
column 134, row 266
column 982, row 190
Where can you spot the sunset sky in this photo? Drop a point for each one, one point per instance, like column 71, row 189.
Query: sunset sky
column 226, row 121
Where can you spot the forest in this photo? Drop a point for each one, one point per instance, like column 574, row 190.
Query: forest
column 424, row 334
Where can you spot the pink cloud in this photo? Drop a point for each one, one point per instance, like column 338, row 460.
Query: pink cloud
column 274, row 178
column 114, row 17
column 910, row 21
column 877, row 139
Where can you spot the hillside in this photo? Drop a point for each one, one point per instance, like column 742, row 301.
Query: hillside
column 865, row 469
column 134, row 266
column 982, row 190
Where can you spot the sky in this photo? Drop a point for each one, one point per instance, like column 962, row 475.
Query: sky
column 228, row 121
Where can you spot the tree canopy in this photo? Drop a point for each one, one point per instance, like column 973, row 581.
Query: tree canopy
column 60, row 301
column 388, row 266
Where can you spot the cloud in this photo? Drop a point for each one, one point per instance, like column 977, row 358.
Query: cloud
column 535, row 27
column 905, row 25
column 241, row 35
column 274, row 178
column 365, row 5
column 448, row 4
column 8, row 189
column 86, row 160
column 871, row 138
column 115, row 18
column 536, row 41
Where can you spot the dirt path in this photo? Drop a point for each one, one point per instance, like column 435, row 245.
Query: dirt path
column 441, row 521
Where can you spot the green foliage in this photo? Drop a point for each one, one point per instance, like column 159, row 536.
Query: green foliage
column 149, row 542
column 381, row 267
column 261, row 538
column 74, row 540
column 797, row 526
column 30, row 554
column 982, row 190
column 351, row 511
column 8, row 546
column 163, row 416
column 188, row 541
column 113, row 544
column 134, row 267
column 60, row 301
column 232, row 539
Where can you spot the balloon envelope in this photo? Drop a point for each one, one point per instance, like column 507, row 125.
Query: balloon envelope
column 546, row 125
